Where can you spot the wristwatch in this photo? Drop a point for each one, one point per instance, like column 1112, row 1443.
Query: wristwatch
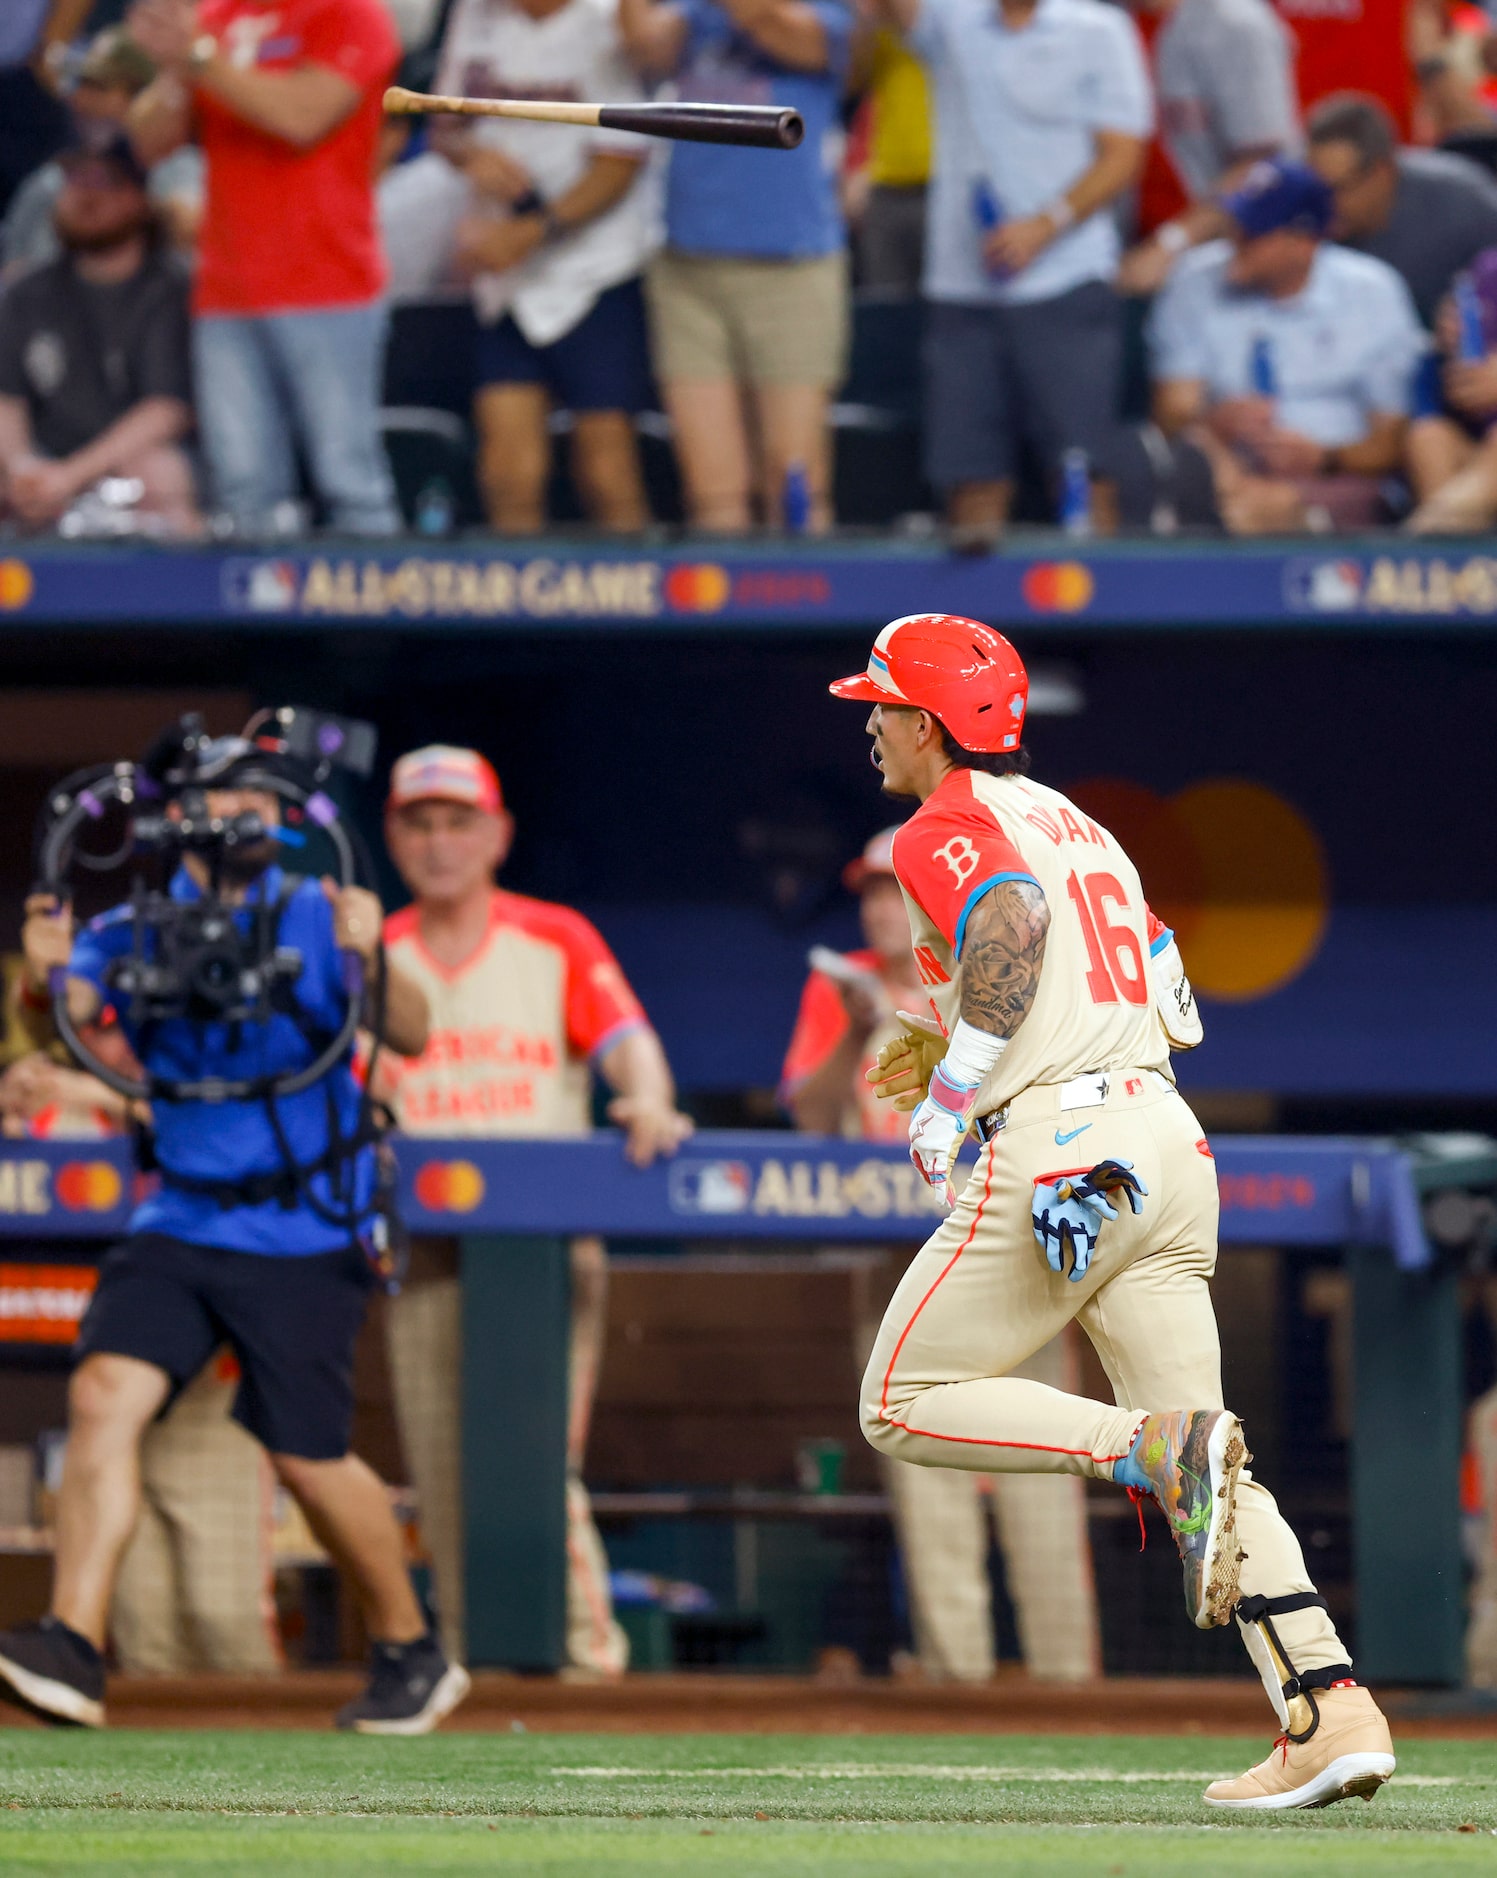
column 202, row 52
column 534, row 203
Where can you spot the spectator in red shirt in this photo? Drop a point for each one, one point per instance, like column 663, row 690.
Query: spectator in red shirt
column 290, row 320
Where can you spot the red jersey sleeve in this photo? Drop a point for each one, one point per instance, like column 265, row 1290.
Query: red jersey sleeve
column 947, row 856
column 601, row 1004
column 820, row 1025
column 354, row 38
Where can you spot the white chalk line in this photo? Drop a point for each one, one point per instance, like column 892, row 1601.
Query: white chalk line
column 908, row 1770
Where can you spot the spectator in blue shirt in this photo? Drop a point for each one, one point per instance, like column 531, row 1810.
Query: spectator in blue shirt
column 1289, row 361
column 750, row 294
column 1042, row 114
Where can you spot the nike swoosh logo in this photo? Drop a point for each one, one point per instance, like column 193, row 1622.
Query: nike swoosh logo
column 1061, row 1140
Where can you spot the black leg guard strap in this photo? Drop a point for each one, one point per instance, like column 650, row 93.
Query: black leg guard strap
column 1262, row 1611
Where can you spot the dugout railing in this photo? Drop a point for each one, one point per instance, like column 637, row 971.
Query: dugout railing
column 513, row 1205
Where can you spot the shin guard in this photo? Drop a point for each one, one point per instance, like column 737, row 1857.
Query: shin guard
column 1291, row 1692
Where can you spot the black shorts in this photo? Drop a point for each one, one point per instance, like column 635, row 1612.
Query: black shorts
column 1046, row 372
column 602, row 364
column 291, row 1322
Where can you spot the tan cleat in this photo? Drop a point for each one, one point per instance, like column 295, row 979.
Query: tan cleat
column 1350, row 1752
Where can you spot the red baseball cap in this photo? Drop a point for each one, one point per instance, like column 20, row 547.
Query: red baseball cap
column 877, row 858
column 442, row 773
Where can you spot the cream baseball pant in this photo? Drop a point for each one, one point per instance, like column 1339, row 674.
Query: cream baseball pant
column 194, row 1586
column 979, row 1298
column 943, row 1516
column 425, row 1342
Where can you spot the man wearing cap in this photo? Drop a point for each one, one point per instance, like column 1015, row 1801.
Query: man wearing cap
column 526, row 1002
column 112, row 74
column 847, row 1016
column 1224, row 75
column 93, row 356
column 1288, row 360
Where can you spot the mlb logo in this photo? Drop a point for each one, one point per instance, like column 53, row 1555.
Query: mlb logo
column 1133, row 1086
column 261, row 586
column 710, row 1187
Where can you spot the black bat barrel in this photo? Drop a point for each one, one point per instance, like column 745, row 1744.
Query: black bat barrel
column 766, row 126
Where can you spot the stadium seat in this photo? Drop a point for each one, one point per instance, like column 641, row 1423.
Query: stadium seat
column 876, row 422
column 427, row 448
column 429, row 357
column 1477, row 146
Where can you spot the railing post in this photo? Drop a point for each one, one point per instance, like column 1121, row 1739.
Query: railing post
column 1405, row 1470
column 516, row 1338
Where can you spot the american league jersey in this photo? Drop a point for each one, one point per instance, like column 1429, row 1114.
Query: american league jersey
column 514, row 1028
column 1095, row 1008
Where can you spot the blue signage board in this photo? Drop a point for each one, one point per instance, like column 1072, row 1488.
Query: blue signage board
column 760, row 1185
column 1034, row 582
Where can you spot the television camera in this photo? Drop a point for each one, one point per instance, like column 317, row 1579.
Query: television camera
column 209, row 959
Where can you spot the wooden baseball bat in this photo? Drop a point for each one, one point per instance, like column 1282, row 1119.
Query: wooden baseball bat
column 766, row 126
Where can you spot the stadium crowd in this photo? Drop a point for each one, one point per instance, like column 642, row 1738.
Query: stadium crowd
column 208, row 220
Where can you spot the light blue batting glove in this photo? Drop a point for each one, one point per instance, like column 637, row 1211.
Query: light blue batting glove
column 1068, row 1214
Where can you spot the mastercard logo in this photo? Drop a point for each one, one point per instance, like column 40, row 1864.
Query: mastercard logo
column 88, row 1186
column 17, row 584
column 1058, row 586
column 703, row 587
column 1235, row 869
column 448, row 1186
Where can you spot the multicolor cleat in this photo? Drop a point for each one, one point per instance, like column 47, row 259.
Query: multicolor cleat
column 1187, row 1462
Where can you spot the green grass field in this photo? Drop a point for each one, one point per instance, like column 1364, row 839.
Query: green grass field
column 752, row 1806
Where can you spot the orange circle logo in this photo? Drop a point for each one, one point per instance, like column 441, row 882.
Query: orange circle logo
column 17, row 584
column 1236, row 871
column 1058, row 586
column 88, row 1186
column 700, row 588
column 448, row 1186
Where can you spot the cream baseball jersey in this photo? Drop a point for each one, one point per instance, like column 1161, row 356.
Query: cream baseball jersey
column 1095, row 1008
column 513, row 1028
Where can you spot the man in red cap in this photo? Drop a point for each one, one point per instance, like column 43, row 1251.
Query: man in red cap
column 526, row 1003
column 849, row 1011
column 1056, row 997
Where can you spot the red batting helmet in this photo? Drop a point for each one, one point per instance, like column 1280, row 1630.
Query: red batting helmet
column 957, row 669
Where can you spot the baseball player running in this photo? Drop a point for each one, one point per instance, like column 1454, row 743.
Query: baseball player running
column 1057, row 997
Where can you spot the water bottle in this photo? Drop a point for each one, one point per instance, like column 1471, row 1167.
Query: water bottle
column 987, row 214
column 1261, row 374
column 1075, row 492
column 435, row 508
column 1427, row 397
column 1472, row 344
column 987, row 210
column 795, row 500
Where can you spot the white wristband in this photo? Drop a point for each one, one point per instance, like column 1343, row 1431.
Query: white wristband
column 1060, row 212
column 971, row 1054
column 1173, row 237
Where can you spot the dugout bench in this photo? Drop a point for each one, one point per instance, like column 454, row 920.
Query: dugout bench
column 513, row 1206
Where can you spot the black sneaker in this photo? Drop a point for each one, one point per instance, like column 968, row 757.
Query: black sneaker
column 54, row 1672
column 411, row 1687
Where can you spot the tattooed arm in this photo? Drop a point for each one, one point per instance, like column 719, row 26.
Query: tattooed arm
column 1001, row 960
column 1002, row 956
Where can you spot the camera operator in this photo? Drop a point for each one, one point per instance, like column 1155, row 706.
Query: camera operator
column 242, row 1244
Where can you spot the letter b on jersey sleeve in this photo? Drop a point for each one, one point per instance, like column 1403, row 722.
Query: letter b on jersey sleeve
column 948, row 857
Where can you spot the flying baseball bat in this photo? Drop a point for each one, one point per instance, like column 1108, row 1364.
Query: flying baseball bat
column 764, row 125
